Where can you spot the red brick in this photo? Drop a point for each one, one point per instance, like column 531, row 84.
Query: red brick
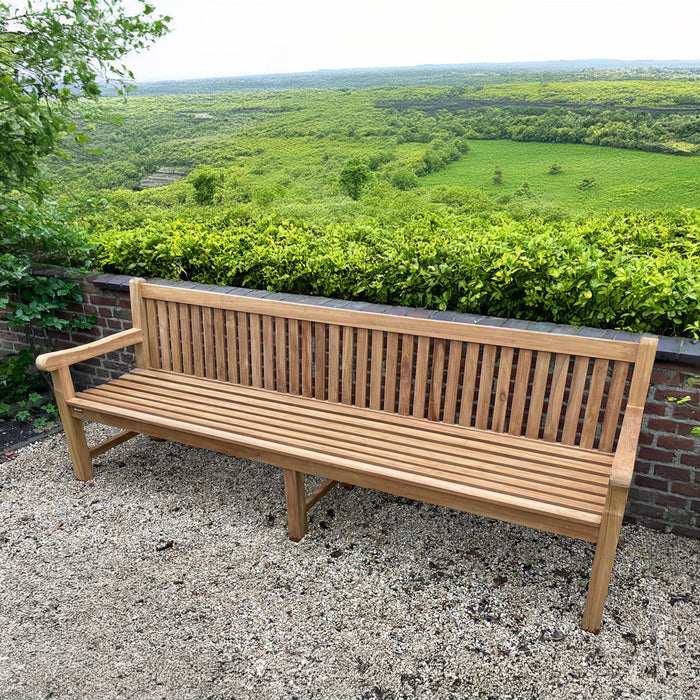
column 101, row 300
column 655, row 455
column 665, row 499
column 692, row 460
column 692, row 490
column 663, row 425
column 695, row 505
column 646, row 438
column 125, row 303
column 676, row 443
column 648, row 511
column 663, row 394
column 104, row 312
column 641, row 495
column 649, row 482
column 641, row 466
column 666, row 377
column 672, row 473
column 686, row 531
column 655, row 409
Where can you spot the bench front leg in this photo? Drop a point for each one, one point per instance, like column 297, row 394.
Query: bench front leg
column 297, row 522
column 72, row 427
column 604, row 558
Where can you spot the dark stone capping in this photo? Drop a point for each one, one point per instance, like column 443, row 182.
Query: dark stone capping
column 587, row 332
column 491, row 321
column 115, row 283
column 443, row 315
column 420, row 313
column 468, row 318
column 681, row 350
column 669, row 349
column 356, row 305
column 518, row 324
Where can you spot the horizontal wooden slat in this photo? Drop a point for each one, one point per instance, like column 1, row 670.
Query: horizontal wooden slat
column 184, row 398
column 436, row 431
column 348, row 472
column 179, row 428
column 532, row 340
column 321, row 430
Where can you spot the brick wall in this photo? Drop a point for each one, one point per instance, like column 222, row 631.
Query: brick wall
column 665, row 494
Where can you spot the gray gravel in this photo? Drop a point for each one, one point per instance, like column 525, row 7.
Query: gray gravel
column 171, row 576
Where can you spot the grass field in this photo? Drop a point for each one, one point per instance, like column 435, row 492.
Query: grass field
column 623, row 179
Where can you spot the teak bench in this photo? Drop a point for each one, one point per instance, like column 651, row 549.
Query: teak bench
column 531, row 428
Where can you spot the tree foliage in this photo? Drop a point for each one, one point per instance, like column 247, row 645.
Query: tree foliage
column 52, row 55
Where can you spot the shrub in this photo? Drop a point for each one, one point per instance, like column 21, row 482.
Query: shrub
column 636, row 272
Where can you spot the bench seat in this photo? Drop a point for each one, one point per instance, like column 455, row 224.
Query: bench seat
column 555, row 487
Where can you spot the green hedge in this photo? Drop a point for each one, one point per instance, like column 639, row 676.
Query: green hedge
column 638, row 272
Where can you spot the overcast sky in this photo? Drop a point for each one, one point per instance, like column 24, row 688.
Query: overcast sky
column 217, row 38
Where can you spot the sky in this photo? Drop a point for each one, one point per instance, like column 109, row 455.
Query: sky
column 221, row 38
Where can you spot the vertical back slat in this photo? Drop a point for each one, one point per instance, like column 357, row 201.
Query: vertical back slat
column 452, row 382
column 505, row 369
column 390, row 370
column 176, row 348
column 375, row 371
column 595, row 399
column 231, row 349
column 520, row 388
column 139, row 320
column 488, row 368
column 244, row 348
column 197, row 340
column 281, row 357
column 613, row 405
column 293, row 331
column 539, row 387
column 320, row 361
column 436, row 379
column 348, row 353
column 306, row 359
column 209, row 349
column 406, row 377
column 421, row 381
column 268, row 350
column 186, row 339
column 556, row 397
column 361, row 367
column 220, row 343
column 333, row 363
column 573, row 404
column 163, row 331
column 255, row 351
column 466, row 401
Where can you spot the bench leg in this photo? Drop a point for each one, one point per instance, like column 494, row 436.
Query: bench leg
column 604, row 560
column 72, row 427
column 296, row 504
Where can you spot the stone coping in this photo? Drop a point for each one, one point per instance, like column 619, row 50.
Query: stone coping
column 671, row 349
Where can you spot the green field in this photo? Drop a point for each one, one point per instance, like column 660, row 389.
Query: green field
column 623, row 179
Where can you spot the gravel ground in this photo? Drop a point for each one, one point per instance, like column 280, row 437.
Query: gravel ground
column 170, row 575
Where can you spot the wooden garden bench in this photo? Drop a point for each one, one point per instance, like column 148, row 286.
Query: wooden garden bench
column 531, row 428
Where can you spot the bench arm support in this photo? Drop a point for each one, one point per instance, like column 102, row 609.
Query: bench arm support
column 51, row 361
column 626, row 453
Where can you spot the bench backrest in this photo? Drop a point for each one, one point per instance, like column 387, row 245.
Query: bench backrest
column 559, row 388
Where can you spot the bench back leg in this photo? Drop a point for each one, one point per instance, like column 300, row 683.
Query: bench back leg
column 604, row 559
column 72, row 427
column 297, row 522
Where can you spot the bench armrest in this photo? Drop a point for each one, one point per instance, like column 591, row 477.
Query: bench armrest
column 626, row 452
column 51, row 361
